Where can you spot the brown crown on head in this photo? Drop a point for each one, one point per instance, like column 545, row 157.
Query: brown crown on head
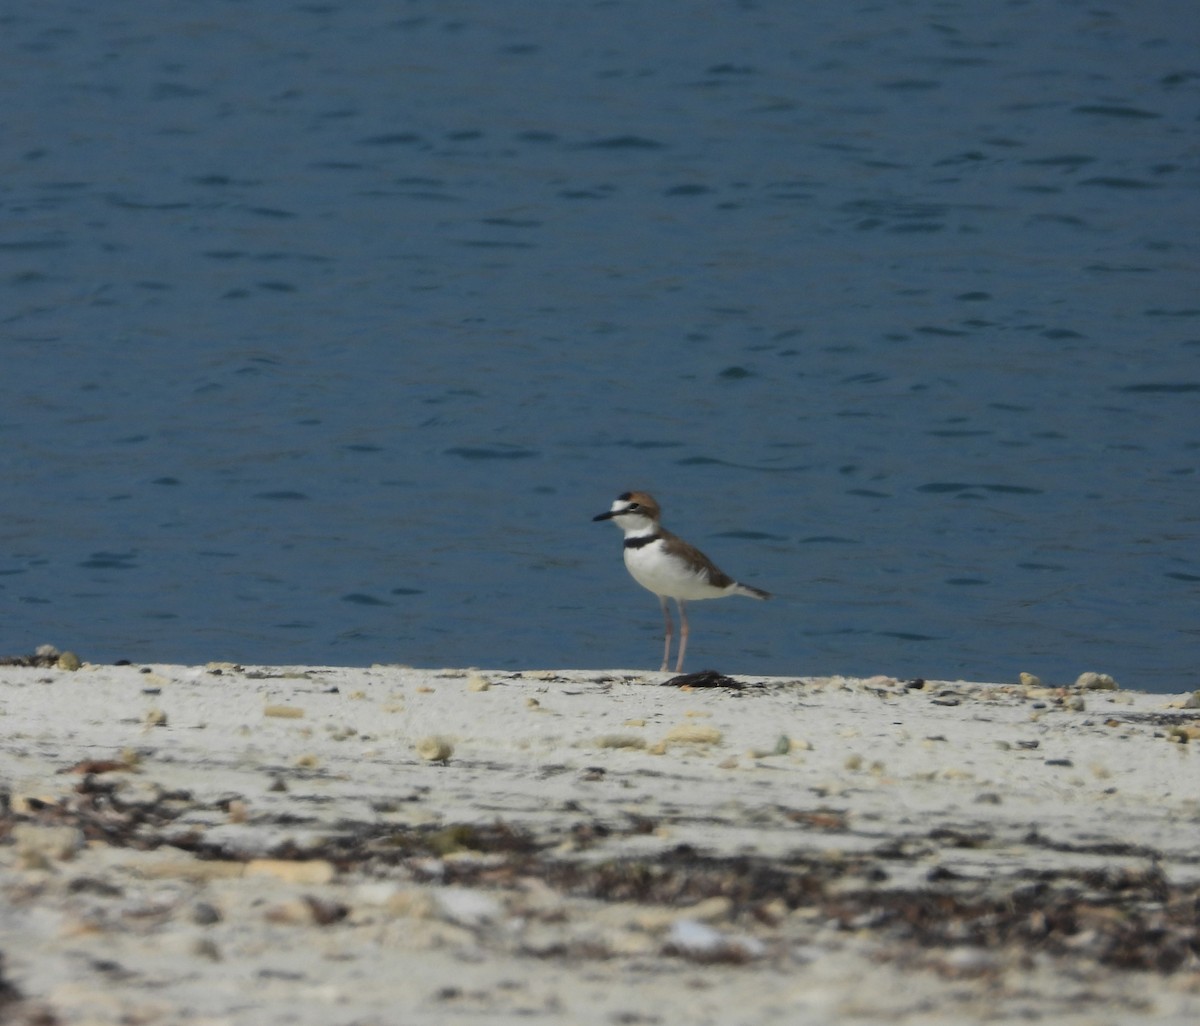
column 645, row 501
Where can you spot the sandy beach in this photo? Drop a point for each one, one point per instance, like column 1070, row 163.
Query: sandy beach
column 320, row 845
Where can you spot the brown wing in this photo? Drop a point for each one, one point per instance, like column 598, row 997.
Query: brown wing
column 716, row 576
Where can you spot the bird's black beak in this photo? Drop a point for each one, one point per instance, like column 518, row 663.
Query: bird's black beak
column 604, row 516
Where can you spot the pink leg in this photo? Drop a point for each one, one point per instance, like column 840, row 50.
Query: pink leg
column 669, row 629
column 683, row 634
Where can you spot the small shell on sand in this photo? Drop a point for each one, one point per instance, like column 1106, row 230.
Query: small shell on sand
column 1184, row 733
column 692, row 734
column 36, row 842
column 308, row 873
column 435, row 749
column 620, row 741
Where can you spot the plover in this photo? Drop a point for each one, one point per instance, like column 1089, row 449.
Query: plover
column 668, row 566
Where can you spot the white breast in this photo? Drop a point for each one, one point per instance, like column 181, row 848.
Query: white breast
column 663, row 573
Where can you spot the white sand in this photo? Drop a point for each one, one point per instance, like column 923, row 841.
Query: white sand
column 386, row 845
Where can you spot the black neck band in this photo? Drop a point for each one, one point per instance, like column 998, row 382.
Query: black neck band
column 641, row 540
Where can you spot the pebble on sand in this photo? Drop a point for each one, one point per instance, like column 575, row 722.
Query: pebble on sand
column 1092, row 681
column 703, row 943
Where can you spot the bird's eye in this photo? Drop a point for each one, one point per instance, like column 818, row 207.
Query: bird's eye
column 631, row 507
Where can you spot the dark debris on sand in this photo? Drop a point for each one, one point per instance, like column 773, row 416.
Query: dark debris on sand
column 704, row 679
column 1116, row 916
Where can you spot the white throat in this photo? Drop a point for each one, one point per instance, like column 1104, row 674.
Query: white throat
column 635, row 525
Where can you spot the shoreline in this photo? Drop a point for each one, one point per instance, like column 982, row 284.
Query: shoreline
column 315, row 844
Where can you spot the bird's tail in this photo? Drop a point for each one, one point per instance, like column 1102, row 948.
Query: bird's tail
column 749, row 592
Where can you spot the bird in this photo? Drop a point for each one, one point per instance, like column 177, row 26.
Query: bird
column 668, row 566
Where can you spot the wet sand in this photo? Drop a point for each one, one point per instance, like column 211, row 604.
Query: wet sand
column 321, row 845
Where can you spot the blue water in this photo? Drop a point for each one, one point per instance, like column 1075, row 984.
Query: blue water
column 327, row 327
